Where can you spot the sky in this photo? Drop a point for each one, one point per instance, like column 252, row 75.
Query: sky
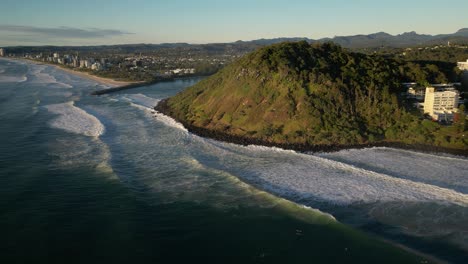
column 98, row 22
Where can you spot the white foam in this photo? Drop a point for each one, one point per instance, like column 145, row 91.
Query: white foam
column 143, row 100
column 384, row 195
column 234, row 193
column 42, row 77
column 305, row 177
column 270, row 149
column 308, row 178
column 12, row 79
column 169, row 121
column 447, row 172
column 75, row 120
column 414, row 206
column 147, row 104
column 319, row 212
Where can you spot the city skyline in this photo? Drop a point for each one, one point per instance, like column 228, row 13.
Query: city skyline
column 119, row 22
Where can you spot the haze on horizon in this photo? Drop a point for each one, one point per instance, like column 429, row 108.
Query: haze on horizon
column 87, row 22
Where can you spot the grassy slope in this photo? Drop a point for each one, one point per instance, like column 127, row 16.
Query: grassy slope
column 315, row 95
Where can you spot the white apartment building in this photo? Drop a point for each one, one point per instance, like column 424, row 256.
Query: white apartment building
column 2, row 52
column 441, row 103
column 463, row 65
column 96, row 66
column 88, row 63
column 82, row 63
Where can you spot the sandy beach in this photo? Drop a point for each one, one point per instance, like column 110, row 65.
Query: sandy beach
column 102, row 80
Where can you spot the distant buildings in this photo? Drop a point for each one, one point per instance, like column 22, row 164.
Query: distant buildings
column 441, row 102
column 2, row 52
column 96, row 66
column 75, row 62
column 183, row 71
column 166, row 64
column 463, row 65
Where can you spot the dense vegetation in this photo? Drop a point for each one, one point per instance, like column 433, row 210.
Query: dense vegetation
column 298, row 93
column 451, row 54
column 434, row 64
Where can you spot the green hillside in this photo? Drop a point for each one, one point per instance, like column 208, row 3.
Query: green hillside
column 297, row 93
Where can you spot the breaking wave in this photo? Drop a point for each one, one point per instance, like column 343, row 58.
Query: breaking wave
column 38, row 75
column 147, row 104
column 76, row 120
column 443, row 171
column 416, row 193
column 311, row 178
column 142, row 100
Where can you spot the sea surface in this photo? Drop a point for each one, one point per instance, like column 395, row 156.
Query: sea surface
column 104, row 179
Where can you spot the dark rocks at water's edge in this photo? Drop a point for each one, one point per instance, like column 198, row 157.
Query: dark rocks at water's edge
column 142, row 84
column 163, row 108
column 130, row 86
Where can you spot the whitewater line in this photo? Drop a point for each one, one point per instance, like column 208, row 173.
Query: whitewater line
column 285, row 204
column 410, row 190
column 75, row 120
column 423, row 154
column 344, row 184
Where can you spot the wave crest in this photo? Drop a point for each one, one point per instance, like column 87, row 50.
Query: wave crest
column 74, row 119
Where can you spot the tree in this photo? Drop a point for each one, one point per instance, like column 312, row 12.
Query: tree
column 461, row 123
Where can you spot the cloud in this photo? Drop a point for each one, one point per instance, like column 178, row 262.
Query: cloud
column 60, row 32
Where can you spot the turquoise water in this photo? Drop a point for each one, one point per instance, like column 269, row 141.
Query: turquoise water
column 87, row 179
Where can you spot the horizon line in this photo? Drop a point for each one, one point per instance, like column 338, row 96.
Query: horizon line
column 232, row 42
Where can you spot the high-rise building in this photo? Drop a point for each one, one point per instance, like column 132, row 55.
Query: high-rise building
column 2, row 52
column 87, row 63
column 96, row 66
column 441, row 102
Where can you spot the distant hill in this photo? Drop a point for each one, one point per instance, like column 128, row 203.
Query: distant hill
column 306, row 95
column 380, row 39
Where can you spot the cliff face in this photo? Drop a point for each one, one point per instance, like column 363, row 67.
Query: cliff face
column 301, row 94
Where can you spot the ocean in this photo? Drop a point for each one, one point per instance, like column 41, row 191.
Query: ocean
column 105, row 179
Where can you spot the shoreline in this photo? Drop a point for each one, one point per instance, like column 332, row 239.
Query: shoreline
column 115, row 85
column 129, row 86
column 98, row 79
column 161, row 107
column 86, row 75
column 244, row 141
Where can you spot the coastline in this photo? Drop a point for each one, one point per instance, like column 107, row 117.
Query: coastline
column 101, row 80
column 161, row 107
column 241, row 140
column 128, row 86
column 98, row 79
column 115, row 85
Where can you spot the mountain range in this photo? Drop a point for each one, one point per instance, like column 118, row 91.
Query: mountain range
column 380, row 39
column 371, row 41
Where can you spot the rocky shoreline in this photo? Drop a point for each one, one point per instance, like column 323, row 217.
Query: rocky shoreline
column 141, row 84
column 163, row 108
column 129, row 86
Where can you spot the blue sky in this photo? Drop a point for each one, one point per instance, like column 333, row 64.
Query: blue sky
column 87, row 22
